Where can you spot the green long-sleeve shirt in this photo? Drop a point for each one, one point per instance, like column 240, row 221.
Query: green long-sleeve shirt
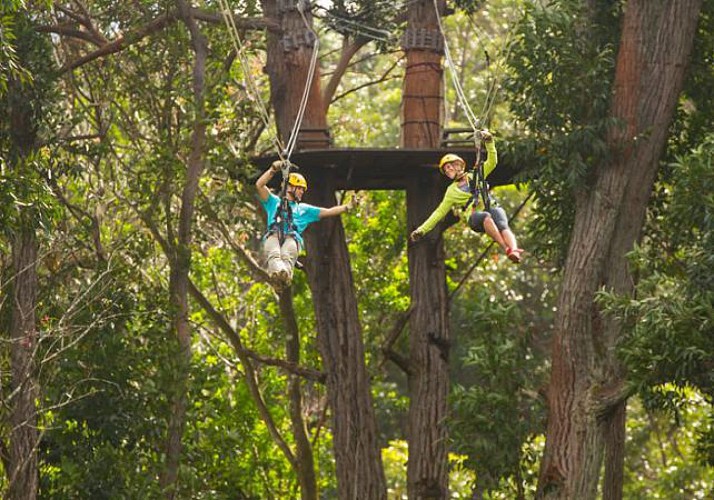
column 456, row 199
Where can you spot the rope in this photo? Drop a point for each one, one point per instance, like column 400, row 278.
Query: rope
column 306, row 90
column 470, row 116
column 284, row 151
column 252, row 87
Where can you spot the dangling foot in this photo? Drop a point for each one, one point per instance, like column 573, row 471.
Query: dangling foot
column 514, row 254
column 284, row 278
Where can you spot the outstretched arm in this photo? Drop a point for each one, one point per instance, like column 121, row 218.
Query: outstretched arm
column 261, row 185
column 433, row 219
column 340, row 209
column 332, row 211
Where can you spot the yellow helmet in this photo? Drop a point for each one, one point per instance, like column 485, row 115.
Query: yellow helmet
column 448, row 158
column 297, row 180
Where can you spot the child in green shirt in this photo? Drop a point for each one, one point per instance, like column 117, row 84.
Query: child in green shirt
column 463, row 198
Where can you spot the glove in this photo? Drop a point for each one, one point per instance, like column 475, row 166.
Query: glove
column 276, row 166
column 486, row 136
column 416, row 235
column 353, row 201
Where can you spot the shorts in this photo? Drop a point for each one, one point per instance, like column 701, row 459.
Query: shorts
column 496, row 213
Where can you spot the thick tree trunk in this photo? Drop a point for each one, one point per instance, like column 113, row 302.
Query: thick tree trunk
column 339, row 334
column 180, row 263
column 422, row 119
column 656, row 42
column 358, row 459
column 22, row 467
column 24, row 436
column 289, row 53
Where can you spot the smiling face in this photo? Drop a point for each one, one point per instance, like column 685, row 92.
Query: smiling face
column 453, row 169
column 295, row 193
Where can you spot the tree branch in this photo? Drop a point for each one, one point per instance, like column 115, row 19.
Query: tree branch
column 385, row 77
column 346, row 55
column 390, row 354
column 607, row 398
column 250, row 378
column 110, row 47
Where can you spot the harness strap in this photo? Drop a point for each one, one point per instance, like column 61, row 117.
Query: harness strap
column 283, row 220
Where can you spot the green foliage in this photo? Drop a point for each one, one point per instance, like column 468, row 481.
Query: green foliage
column 563, row 65
column 661, row 454
column 669, row 335
column 11, row 66
column 103, row 387
column 26, row 199
column 498, row 378
column 394, row 457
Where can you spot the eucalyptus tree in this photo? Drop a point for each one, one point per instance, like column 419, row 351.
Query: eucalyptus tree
column 356, row 446
column 607, row 152
column 155, row 148
column 26, row 209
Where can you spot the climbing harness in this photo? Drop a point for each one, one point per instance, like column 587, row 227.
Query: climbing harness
column 283, row 223
column 480, row 183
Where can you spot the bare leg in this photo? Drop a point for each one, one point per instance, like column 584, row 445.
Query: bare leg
column 509, row 238
column 491, row 230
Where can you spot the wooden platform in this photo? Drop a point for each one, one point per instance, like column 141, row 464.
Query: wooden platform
column 372, row 168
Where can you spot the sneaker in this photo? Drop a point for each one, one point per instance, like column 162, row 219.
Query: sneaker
column 514, row 254
column 284, row 277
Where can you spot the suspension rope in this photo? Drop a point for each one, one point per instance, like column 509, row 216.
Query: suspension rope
column 284, row 151
column 245, row 64
column 470, row 116
column 306, row 90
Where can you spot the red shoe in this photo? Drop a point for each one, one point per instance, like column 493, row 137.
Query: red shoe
column 514, row 254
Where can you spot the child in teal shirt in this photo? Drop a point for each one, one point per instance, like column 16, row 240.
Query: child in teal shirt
column 283, row 240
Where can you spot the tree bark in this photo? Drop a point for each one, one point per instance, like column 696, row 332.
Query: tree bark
column 180, row 263
column 357, row 450
column 24, row 436
column 358, row 459
column 655, row 46
column 22, row 471
column 422, row 121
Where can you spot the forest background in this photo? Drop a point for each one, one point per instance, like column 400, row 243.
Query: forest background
column 133, row 314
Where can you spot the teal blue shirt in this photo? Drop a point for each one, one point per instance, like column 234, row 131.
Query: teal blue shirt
column 304, row 214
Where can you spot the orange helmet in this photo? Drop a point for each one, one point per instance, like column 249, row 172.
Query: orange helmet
column 297, row 180
column 448, row 158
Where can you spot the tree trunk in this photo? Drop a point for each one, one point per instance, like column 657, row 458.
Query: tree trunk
column 422, row 118
column 656, row 42
column 180, row 263
column 22, row 471
column 24, row 436
column 358, row 459
column 357, row 451
column 289, row 53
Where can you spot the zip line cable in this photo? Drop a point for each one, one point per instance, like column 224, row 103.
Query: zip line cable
column 239, row 48
column 284, row 151
column 356, row 27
